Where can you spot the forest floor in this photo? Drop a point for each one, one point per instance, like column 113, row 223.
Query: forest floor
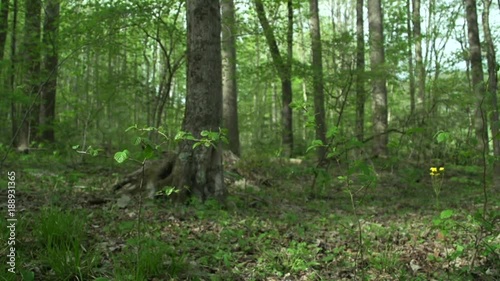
column 70, row 227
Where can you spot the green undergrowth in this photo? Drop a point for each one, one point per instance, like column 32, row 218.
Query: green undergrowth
column 391, row 230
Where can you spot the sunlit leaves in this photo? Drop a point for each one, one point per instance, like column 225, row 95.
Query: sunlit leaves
column 122, row 156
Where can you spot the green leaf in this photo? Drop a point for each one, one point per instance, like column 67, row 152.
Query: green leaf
column 442, row 136
column 75, row 147
column 436, row 222
column 333, row 131
column 314, row 145
column 121, row 156
column 131, row 128
column 317, row 142
column 204, row 133
column 148, row 152
column 180, row 136
column 137, row 141
column 446, row 214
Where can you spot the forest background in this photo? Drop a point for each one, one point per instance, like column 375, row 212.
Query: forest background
column 327, row 98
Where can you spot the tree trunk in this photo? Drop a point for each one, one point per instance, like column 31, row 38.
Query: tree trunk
column 287, row 86
column 48, row 99
column 198, row 171
column 480, row 122
column 284, row 72
column 229, row 86
column 31, row 72
column 4, row 24
column 360, row 72
column 411, row 69
column 492, row 88
column 317, row 66
column 12, row 76
column 379, row 88
column 419, row 65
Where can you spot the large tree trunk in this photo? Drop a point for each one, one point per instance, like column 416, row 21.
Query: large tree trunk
column 198, row 171
column 492, row 88
column 229, row 86
column 317, row 66
column 379, row 88
column 48, row 99
column 360, row 72
column 480, row 121
column 31, row 72
column 284, row 72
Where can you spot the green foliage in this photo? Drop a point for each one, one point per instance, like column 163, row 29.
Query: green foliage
column 208, row 138
column 122, row 156
column 61, row 235
column 300, row 256
column 156, row 259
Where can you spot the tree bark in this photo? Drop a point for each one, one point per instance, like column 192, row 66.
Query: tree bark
column 31, row 72
column 480, row 121
column 198, row 171
column 48, row 99
column 360, row 72
column 13, row 58
column 284, row 72
column 317, row 67
column 229, row 85
column 411, row 69
column 379, row 88
column 419, row 65
column 492, row 88
column 4, row 24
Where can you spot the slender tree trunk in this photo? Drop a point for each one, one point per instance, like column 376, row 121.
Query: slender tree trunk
column 284, row 71
column 13, row 57
column 360, row 72
column 4, row 24
column 417, row 36
column 48, row 100
column 411, row 69
column 379, row 87
column 287, row 87
column 317, row 66
column 492, row 88
column 334, row 32
column 31, row 64
column 229, row 86
column 198, row 171
column 480, row 118
column 302, row 50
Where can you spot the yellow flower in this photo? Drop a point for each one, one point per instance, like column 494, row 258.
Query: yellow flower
column 441, row 169
column 434, row 169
